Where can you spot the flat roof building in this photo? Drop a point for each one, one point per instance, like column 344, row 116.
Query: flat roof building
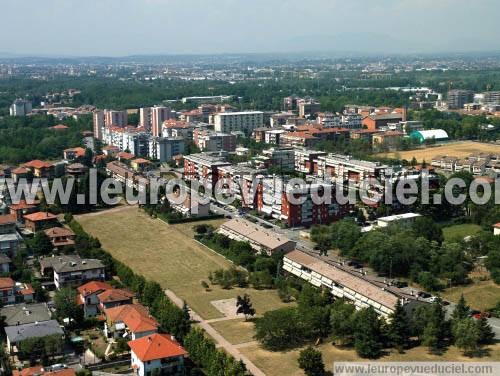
column 260, row 239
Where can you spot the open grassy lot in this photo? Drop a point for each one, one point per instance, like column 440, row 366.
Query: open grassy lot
column 285, row 363
column 169, row 255
column 458, row 232
column 235, row 331
column 480, row 295
column 457, row 149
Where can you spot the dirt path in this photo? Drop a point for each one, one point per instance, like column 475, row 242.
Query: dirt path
column 218, row 338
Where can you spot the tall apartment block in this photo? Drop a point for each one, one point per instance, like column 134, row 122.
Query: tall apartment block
column 308, row 107
column 246, row 121
column 145, row 118
column 98, row 120
column 457, row 98
column 20, row 107
column 158, row 116
column 115, row 118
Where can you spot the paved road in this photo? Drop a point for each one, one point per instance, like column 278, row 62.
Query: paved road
column 219, row 339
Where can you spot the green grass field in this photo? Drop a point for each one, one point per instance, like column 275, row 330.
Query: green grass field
column 458, row 232
column 480, row 295
column 169, row 255
column 235, row 331
column 285, row 363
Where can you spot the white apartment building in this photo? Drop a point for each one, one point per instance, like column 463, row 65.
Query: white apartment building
column 246, row 121
column 164, row 149
column 352, row 121
column 345, row 284
column 272, row 136
column 98, row 124
column 20, row 107
column 158, row 115
column 329, row 119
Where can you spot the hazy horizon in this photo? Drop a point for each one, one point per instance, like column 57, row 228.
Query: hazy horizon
column 115, row 28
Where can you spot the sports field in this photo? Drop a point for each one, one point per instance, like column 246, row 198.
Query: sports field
column 169, row 255
column 458, row 149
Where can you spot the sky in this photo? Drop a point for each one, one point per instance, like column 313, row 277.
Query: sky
column 131, row 27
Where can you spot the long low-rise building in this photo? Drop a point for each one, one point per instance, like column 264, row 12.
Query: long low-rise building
column 343, row 284
column 260, row 239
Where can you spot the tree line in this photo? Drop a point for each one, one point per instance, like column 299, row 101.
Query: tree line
column 172, row 319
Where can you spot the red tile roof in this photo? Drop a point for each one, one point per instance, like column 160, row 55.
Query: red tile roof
column 60, row 126
column 497, row 225
column 140, row 160
column 138, row 323
column 40, row 371
column 37, row 164
column 39, row 216
column 20, row 170
column 156, row 346
column 118, row 313
column 58, row 231
column 80, row 152
column 22, row 205
column 125, row 155
column 7, row 219
column 114, row 295
column 27, row 290
column 92, row 287
column 6, row 283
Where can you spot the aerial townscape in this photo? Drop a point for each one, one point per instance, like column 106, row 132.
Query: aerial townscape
column 253, row 204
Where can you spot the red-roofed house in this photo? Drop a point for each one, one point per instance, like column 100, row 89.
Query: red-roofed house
column 159, row 353
column 114, row 298
column 73, row 153
column 7, row 224
column 40, row 169
column 496, row 229
column 60, row 237
column 124, row 156
column 133, row 320
column 20, row 173
column 39, row 221
column 22, row 208
column 140, row 164
column 59, row 127
column 40, row 371
column 7, row 293
column 88, row 296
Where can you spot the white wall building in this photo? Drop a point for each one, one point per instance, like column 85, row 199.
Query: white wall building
column 246, row 121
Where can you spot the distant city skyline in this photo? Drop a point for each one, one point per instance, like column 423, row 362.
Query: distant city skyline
column 144, row 27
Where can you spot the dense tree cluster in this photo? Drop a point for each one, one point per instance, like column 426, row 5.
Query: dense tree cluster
column 26, row 138
column 316, row 317
column 262, row 269
column 394, row 251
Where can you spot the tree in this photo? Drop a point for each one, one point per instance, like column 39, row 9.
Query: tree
column 436, row 328
column 66, row 306
column 341, row 321
column 367, row 333
column 244, row 305
column 311, row 361
column 461, row 311
column 279, row 329
column 40, row 245
column 467, row 335
column 399, row 328
column 486, row 334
